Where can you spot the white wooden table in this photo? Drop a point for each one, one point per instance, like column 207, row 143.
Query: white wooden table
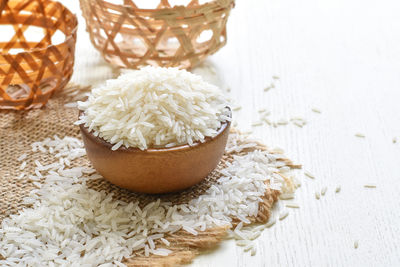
column 342, row 57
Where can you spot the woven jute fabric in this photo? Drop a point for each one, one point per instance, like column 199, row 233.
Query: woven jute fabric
column 29, row 78
column 18, row 130
column 171, row 36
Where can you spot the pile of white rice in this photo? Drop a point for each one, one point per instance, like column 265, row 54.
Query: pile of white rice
column 70, row 224
column 155, row 107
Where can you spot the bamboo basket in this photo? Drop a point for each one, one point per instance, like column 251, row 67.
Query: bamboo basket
column 37, row 46
column 169, row 36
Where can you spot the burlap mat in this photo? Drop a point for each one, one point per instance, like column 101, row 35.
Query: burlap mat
column 18, row 130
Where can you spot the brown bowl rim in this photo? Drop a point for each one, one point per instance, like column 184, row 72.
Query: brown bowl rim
column 224, row 126
column 68, row 37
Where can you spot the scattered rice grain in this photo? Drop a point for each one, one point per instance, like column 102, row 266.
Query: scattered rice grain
column 22, row 157
column 286, row 196
column 283, row 215
column 248, row 247
column 22, row 166
column 165, row 241
column 282, row 122
column 292, row 205
column 256, row 123
column 298, row 124
column 268, row 121
column 316, row 110
column 71, row 105
column 309, row 175
column 323, row 190
column 270, row 223
column 253, row 251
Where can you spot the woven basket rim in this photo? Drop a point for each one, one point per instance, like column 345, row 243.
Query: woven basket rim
column 213, row 4
column 105, row 20
column 35, row 50
column 43, row 49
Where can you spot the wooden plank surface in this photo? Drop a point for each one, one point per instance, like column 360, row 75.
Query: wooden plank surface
column 342, row 57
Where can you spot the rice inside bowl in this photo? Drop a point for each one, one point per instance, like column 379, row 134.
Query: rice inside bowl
column 154, row 107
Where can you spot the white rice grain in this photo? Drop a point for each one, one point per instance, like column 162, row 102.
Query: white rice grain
column 309, row 175
column 270, row 223
column 71, row 105
column 165, row 241
column 286, row 196
column 22, row 166
column 323, row 190
column 253, row 251
column 338, row 188
column 22, row 157
column 190, row 230
column 292, row 205
column 298, row 124
column 256, row 123
column 283, row 215
column 316, row 110
column 282, row 122
column 117, row 145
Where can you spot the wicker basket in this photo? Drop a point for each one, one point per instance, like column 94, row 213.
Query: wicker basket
column 179, row 36
column 32, row 65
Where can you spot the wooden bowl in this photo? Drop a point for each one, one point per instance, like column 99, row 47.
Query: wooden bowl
column 156, row 170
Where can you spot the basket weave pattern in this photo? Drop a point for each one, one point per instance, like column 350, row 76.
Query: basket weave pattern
column 32, row 67
column 179, row 36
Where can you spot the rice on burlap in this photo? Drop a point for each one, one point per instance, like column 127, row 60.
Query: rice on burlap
column 19, row 129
